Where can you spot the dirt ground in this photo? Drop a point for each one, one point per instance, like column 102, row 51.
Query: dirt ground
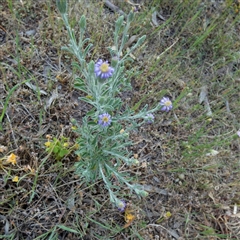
column 192, row 195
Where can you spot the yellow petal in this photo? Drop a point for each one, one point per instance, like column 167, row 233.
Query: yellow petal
column 168, row 214
column 128, row 215
column 89, row 97
column 15, row 179
column 122, row 131
column 47, row 144
column 74, row 128
column 12, row 158
column 76, row 146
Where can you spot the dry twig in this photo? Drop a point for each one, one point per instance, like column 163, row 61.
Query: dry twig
column 114, row 8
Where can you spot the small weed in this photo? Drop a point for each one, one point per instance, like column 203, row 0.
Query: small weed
column 59, row 148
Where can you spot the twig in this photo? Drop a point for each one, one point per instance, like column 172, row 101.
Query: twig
column 172, row 233
column 3, row 29
column 114, row 8
column 167, row 49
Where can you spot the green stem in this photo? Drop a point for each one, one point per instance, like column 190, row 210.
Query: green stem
column 112, row 196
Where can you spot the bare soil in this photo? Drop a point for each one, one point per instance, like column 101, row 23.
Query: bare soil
column 200, row 192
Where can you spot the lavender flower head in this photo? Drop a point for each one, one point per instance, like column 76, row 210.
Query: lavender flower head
column 104, row 119
column 150, row 118
column 121, row 205
column 103, row 70
column 166, row 104
column 136, row 8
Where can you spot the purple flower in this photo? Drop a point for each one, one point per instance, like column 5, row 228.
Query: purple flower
column 121, row 205
column 103, row 70
column 166, row 104
column 104, row 119
column 136, row 9
column 150, row 118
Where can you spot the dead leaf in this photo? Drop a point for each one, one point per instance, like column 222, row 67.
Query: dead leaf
column 203, row 98
column 154, row 18
column 35, row 88
column 212, row 153
column 51, row 99
column 203, row 94
column 6, row 227
column 131, row 41
column 211, row 196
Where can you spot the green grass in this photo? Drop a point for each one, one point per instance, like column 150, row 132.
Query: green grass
column 196, row 45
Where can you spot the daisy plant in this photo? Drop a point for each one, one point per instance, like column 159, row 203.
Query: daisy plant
column 104, row 131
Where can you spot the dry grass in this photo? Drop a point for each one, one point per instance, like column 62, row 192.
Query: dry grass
column 193, row 47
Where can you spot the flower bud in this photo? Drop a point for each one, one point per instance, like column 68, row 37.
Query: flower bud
column 135, row 162
column 143, row 193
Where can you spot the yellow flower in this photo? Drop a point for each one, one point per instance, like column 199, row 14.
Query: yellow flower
column 15, row 179
column 12, row 158
column 122, row 131
column 89, row 97
column 74, row 128
column 66, row 144
column 76, row 146
column 47, row 144
column 129, row 215
column 168, row 215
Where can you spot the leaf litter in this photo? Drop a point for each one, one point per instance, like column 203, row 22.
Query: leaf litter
column 190, row 187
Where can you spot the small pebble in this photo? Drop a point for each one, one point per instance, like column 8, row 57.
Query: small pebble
column 181, row 176
column 30, row 32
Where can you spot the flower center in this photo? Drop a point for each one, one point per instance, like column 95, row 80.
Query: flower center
column 104, row 67
column 121, row 204
column 105, row 119
column 168, row 103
